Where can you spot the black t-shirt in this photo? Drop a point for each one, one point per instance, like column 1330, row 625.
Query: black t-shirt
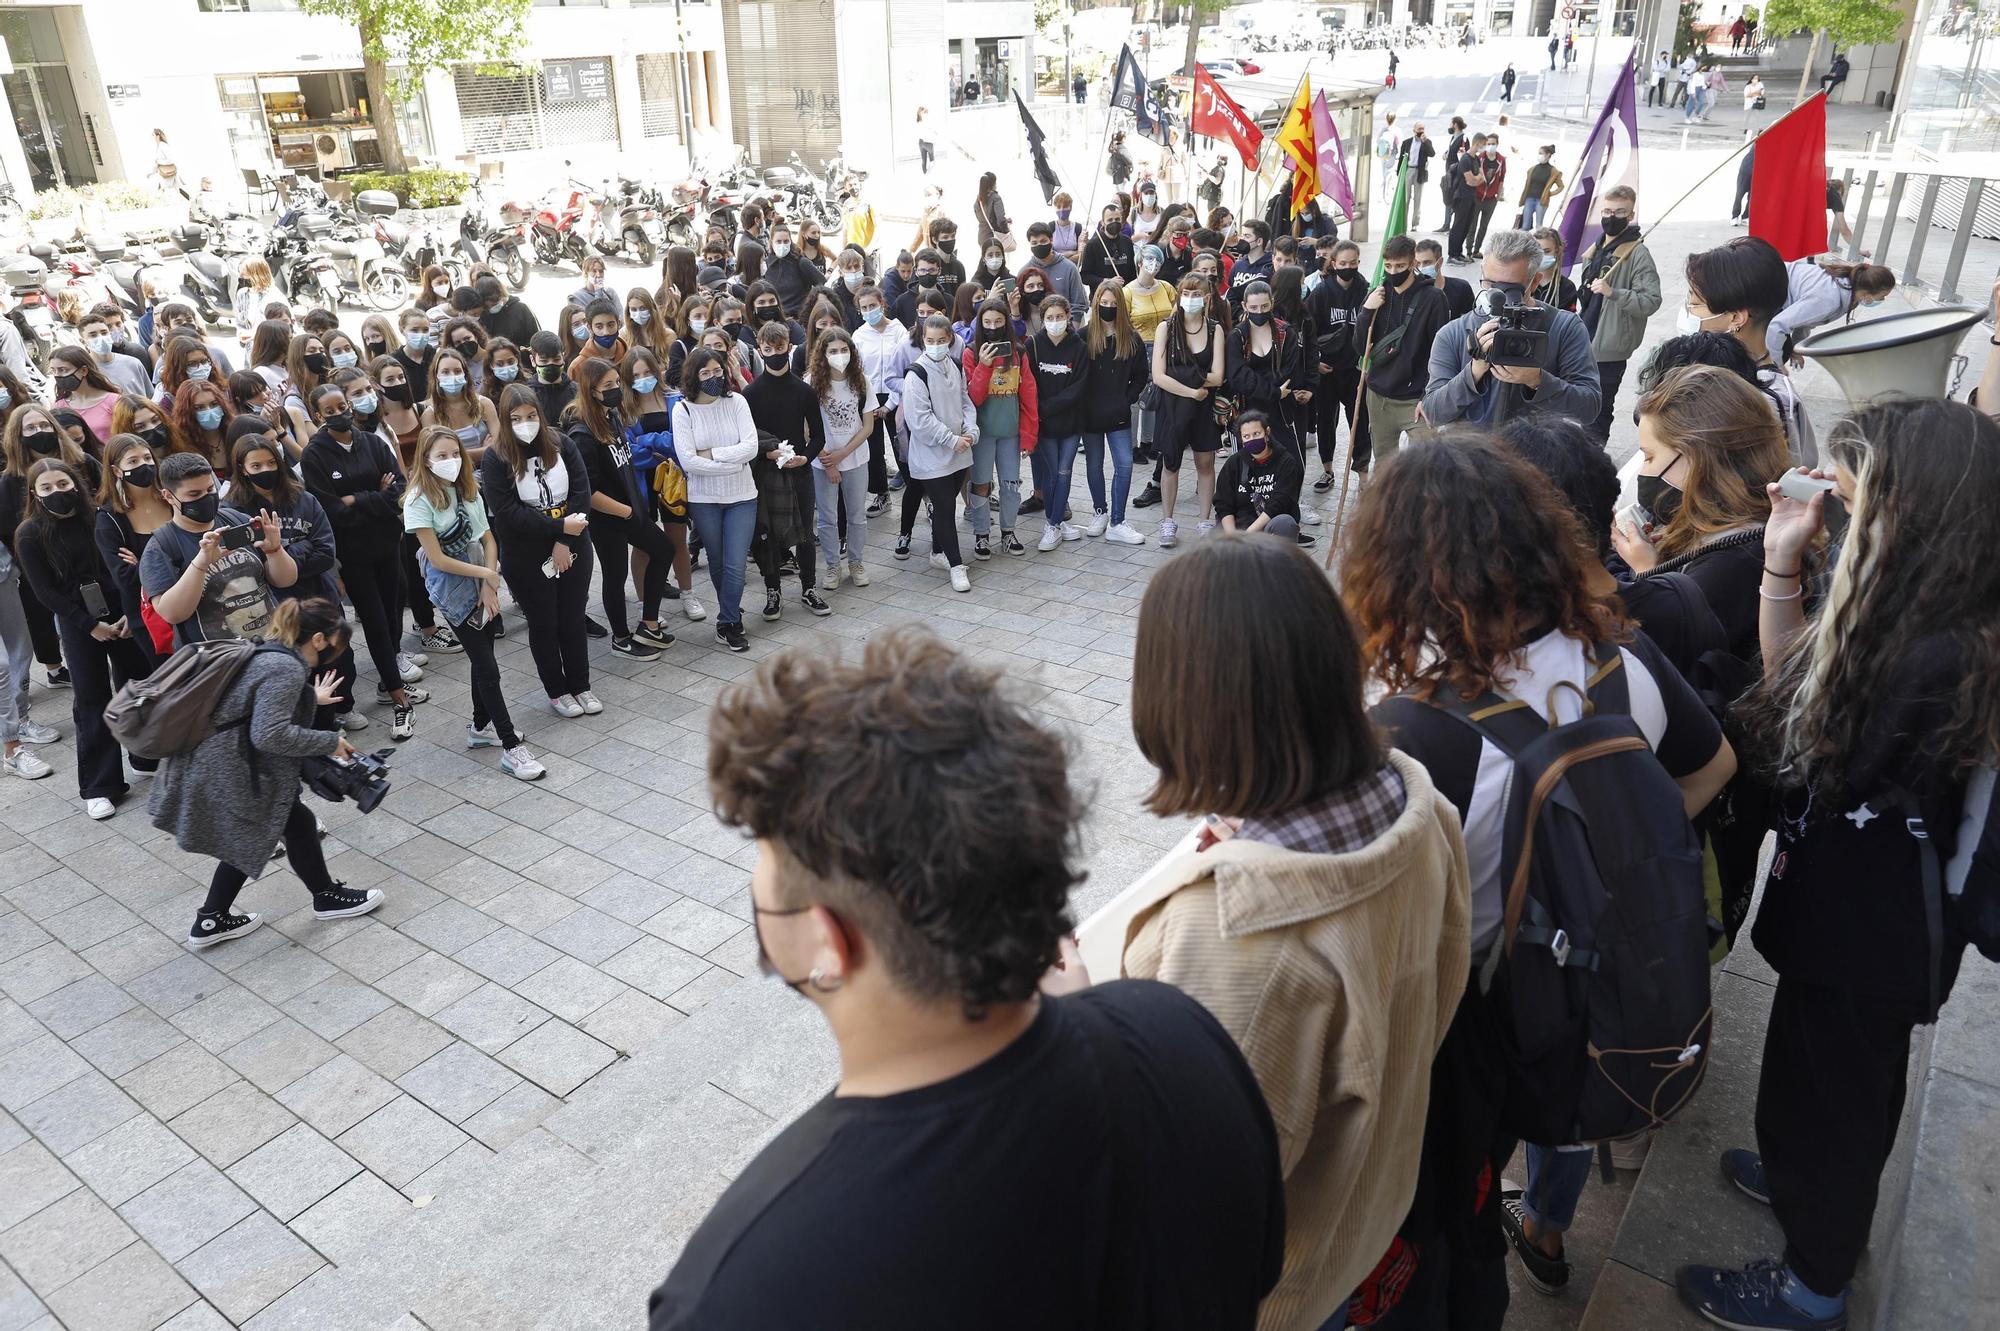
column 1114, row 1167
column 1246, row 488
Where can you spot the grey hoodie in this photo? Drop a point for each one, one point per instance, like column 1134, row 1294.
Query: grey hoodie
column 937, row 409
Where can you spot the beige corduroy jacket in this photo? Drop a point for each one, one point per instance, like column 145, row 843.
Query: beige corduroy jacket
column 1337, row 975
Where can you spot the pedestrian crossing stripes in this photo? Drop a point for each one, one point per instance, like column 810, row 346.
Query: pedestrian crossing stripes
column 1483, row 110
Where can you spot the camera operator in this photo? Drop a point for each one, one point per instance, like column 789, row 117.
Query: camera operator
column 237, row 792
column 1465, row 386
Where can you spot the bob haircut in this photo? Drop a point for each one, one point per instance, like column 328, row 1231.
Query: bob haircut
column 1249, row 625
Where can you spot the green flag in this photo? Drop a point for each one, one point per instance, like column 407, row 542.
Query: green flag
column 1399, row 208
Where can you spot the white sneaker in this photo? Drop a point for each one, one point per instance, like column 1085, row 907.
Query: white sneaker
column 34, row 732
column 420, row 657
column 1311, row 517
column 408, row 668
column 99, row 809
column 692, row 608
column 25, row 765
column 1170, row 533
column 1072, row 532
column 518, row 763
column 1051, row 537
column 856, row 574
column 351, row 721
column 566, row 706
column 1125, row 534
column 1203, row 528
column 477, row 737
column 829, row 579
column 589, row 703
column 961, row 581
column 939, row 561
column 1100, row 521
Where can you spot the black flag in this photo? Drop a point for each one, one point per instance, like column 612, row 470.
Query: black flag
column 1045, row 175
column 1129, row 92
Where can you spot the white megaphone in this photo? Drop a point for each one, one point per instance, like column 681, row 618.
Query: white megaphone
column 1899, row 355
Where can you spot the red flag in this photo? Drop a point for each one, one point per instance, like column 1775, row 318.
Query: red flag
column 1218, row 117
column 1788, row 182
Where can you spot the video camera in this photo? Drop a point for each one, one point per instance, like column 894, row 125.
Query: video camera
column 363, row 778
column 1513, row 342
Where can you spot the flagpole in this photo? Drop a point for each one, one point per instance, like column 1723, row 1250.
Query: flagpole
column 1361, row 388
column 1242, row 201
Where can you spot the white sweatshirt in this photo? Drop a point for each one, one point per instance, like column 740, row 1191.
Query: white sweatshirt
column 715, row 442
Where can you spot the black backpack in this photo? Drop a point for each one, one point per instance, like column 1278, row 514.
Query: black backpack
column 1600, row 973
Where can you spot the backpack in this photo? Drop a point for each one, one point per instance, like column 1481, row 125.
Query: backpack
column 1971, row 904
column 172, row 710
column 670, row 485
column 1600, row 974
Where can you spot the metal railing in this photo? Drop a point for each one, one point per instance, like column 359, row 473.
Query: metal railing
column 1941, row 196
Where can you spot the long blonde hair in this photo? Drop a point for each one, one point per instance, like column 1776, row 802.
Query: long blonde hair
column 1734, row 445
column 439, row 494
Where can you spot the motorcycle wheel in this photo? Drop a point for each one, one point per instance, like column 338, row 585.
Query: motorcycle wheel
column 680, row 232
column 548, row 250
column 12, row 214
column 640, row 248
column 385, row 288
column 516, row 268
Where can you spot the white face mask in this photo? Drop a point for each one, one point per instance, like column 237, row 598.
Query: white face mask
column 938, row 353
column 446, row 469
column 1056, row 324
column 838, row 361
column 994, row 263
column 1194, row 304
column 781, row 248
column 1689, row 323
column 641, row 317
column 440, row 288
column 527, row 431
column 1150, row 265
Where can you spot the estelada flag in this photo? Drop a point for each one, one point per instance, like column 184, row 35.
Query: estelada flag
column 1295, row 140
column 1788, row 182
column 1218, row 116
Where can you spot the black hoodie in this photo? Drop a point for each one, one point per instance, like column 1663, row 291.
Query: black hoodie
column 370, row 529
column 1114, row 384
column 1336, row 307
column 1062, row 376
column 1401, row 367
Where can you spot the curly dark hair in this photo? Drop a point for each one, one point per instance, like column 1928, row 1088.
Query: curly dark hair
column 927, row 810
column 1459, row 555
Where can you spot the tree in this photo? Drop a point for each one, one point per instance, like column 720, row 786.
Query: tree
column 1688, row 38
column 1847, row 22
column 422, row 36
column 1197, row 10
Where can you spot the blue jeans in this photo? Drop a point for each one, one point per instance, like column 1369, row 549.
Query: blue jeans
column 1042, row 465
column 1531, row 214
column 1120, row 444
column 827, row 494
column 726, row 531
column 1062, row 458
column 1001, row 455
column 1556, row 1175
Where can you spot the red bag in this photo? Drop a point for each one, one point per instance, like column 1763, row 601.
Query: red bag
column 162, row 632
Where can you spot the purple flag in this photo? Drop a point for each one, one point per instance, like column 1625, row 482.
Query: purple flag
column 1610, row 157
column 1333, row 181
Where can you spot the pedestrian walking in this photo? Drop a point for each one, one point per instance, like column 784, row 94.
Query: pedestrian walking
column 1569, row 49
column 1555, row 45
column 1663, row 69
column 1507, row 84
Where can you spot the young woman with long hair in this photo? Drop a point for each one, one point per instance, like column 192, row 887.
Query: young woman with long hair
column 503, row 367
column 129, row 510
column 574, row 330
column 1878, row 720
column 1189, row 354
column 821, row 318
column 399, row 415
column 1269, row 368
column 255, row 289
column 537, row 492
column 250, row 394
column 378, row 338
column 217, row 804
column 82, row 387
column 1118, row 374
column 34, row 433
column 1001, row 381
column 848, row 415
column 1468, row 573
column 455, row 405
column 182, row 359
column 723, row 344
column 150, row 420
column 399, row 420
column 306, row 367
column 444, row 514
column 620, row 521
column 200, row 424
column 433, row 288
column 1820, row 291
column 269, row 348
column 679, row 274
column 649, row 434
column 716, row 439
column 882, row 345
column 643, row 325
column 420, row 344
column 59, row 561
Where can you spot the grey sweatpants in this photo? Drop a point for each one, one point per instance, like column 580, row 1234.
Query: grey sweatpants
column 18, row 651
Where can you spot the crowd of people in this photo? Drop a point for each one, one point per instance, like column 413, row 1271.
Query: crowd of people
column 1292, row 1105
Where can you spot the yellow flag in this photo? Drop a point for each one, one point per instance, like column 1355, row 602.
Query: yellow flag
column 1296, row 140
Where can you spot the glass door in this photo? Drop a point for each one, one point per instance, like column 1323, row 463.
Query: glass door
column 45, row 115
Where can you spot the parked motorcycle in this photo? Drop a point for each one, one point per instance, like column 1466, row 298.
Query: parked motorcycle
column 411, row 246
column 626, row 224
column 559, row 229
column 27, row 275
column 495, row 234
column 118, row 271
column 208, row 279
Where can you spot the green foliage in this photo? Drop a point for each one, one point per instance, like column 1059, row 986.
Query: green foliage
column 1750, row 13
column 423, row 188
column 425, row 35
column 1049, row 17
column 1688, row 38
column 113, row 196
column 1848, row 22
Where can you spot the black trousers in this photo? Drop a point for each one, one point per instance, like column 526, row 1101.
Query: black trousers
column 806, row 553
column 1485, row 209
column 376, row 588
column 554, row 609
column 1741, row 206
column 878, row 449
column 1461, row 226
column 489, row 703
column 41, row 627
column 302, row 851
column 913, row 495
column 614, row 539
column 414, row 594
column 95, row 668
column 1336, row 396
column 1610, row 376
column 1829, row 1095
column 942, row 491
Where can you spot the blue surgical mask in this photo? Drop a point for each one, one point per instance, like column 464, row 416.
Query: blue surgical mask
column 1548, row 262
column 697, row 326
column 201, row 371
column 645, row 383
column 1427, row 271
column 451, row 383
column 604, row 339
column 419, row 341
column 344, row 359
column 208, row 417
column 365, row 403
column 872, row 316
column 6, row 399
column 581, row 332
column 506, row 373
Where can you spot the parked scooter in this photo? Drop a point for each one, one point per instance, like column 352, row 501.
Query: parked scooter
column 407, row 248
column 26, row 275
column 559, row 227
column 209, row 279
column 625, row 224
column 495, row 235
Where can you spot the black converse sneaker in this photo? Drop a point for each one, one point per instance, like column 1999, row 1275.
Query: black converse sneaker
column 340, row 903
column 212, row 926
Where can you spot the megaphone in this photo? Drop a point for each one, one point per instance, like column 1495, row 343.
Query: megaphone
column 1899, row 355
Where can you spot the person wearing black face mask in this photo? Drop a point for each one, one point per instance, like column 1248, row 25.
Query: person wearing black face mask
column 1109, row 253
column 792, row 433
column 59, row 562
column 1335, row 306
column 1064, row 279
column 621, row 520
column 929, row 266
column 34, row 435
column 205, row 590
column 1268, row 367
column 263, row 477
column 766, row 308
column 1464, row 385
column 1620, row 288
column 1394, row 330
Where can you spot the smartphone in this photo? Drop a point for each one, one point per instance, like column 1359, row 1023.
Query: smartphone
column 549, row 567
column 94, row 603
column 1005, row 286
column 1636, row 516
column 241, row 537
column 1795, row 484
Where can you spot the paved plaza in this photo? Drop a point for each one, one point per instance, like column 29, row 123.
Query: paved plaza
column 506, row 1098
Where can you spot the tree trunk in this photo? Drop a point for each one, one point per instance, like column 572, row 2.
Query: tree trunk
column 1193, row 41
column 1812, row 55
column 381, row 110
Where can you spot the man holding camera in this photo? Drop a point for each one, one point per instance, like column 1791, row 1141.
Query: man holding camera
column 1620, row 291
column 210, row 572
column 1512, row 355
